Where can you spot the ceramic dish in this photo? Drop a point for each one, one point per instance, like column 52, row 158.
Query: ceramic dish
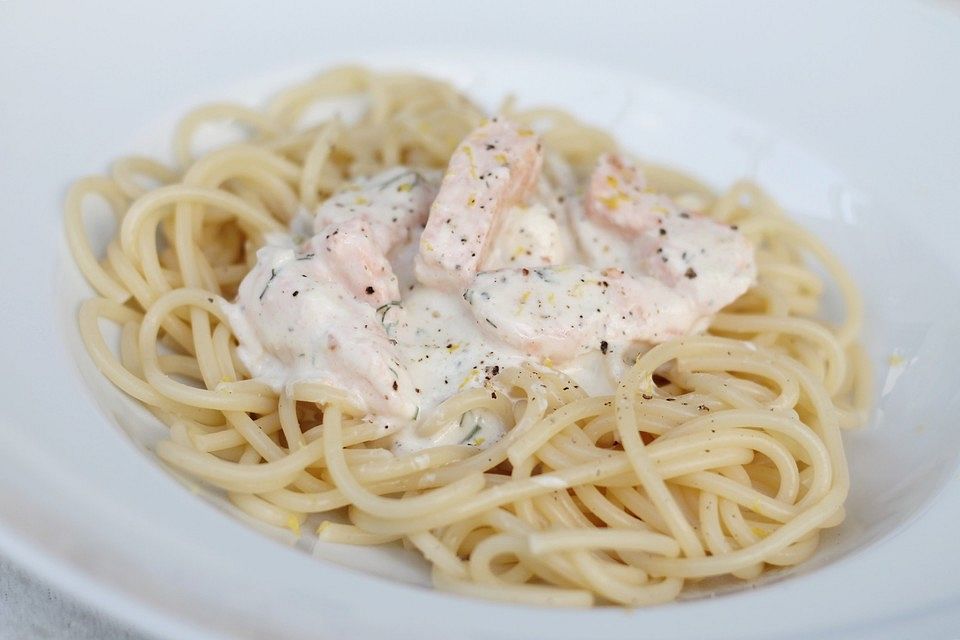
column 847, row 116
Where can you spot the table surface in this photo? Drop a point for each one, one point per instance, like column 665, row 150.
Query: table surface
column 32, row 610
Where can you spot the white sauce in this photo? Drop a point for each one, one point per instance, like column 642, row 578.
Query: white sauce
column 346, row 310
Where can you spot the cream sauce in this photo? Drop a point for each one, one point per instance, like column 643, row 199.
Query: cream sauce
column 555, row 288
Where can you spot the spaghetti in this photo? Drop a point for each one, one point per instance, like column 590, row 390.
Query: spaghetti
column 717, row 455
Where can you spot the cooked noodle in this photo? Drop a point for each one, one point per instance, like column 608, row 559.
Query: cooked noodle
column 718, row 454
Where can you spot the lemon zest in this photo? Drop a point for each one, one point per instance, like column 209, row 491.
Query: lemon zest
column 293, row 523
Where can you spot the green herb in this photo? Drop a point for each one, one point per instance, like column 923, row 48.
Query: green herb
column 473, row 432
column 416, row 179
column 382, row 309
column 273, row 274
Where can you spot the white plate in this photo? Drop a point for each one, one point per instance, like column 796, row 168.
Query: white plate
column 850, row 116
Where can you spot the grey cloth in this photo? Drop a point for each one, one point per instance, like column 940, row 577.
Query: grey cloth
column 32, row 610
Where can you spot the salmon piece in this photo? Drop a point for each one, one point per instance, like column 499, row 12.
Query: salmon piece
column 351, row 252
column 314, row 313
column 618, row 195
column 561, row 312
column 493, row 169
column 399, row 199
column 706, row 260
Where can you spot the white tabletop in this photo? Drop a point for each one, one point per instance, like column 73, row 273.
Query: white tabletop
column 30, row 609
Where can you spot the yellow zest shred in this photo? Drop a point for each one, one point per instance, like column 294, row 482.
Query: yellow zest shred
column 405, row 187
column 293, row 523
column 467, row 379
column 521, row 302
column 611, row 202
column 473, row 165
